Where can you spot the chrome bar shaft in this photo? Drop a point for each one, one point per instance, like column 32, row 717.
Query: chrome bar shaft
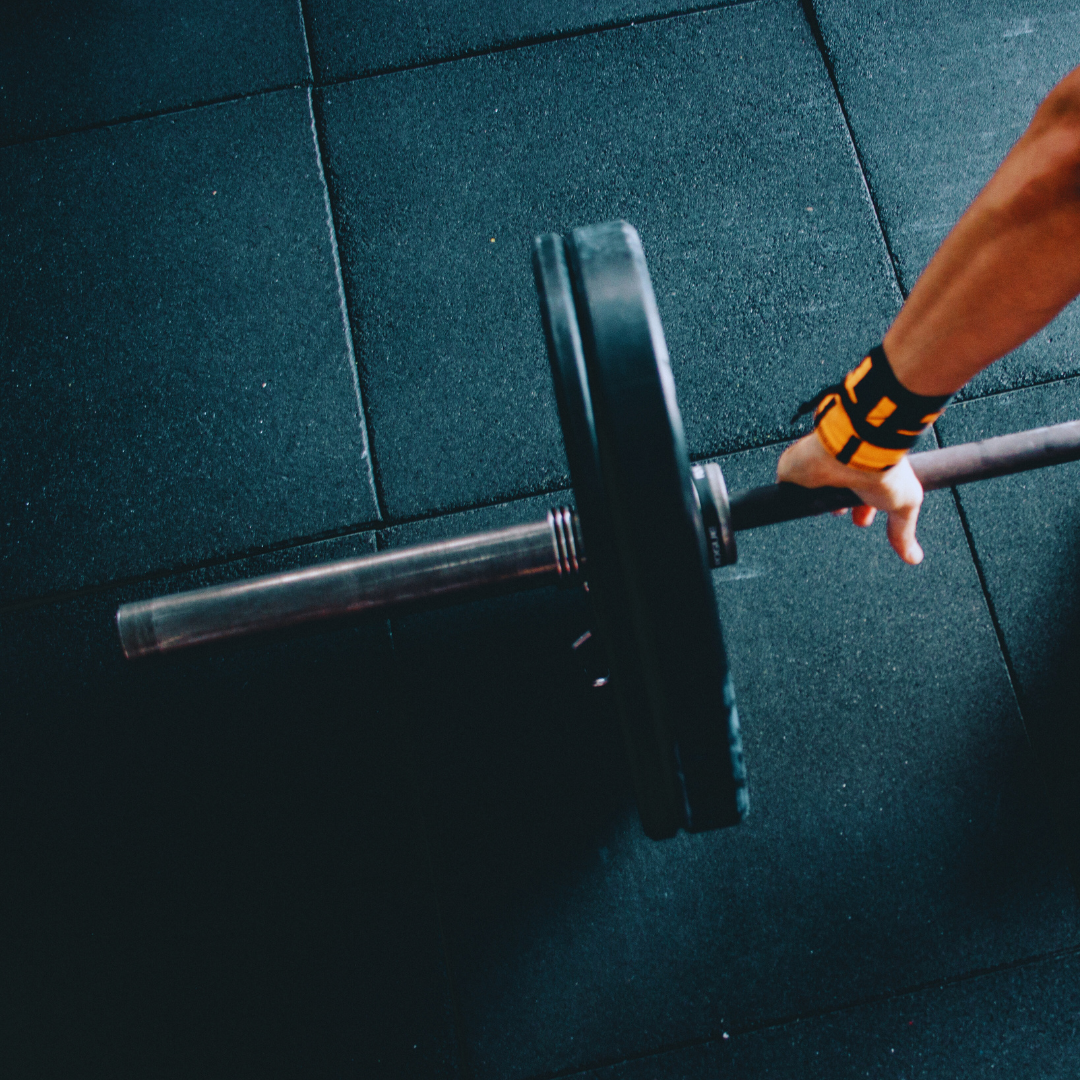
column 501, row 560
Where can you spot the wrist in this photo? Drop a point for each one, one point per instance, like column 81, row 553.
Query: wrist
column 869, row 421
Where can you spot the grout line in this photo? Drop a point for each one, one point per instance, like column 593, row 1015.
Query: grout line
column 814, row 1014
column 535, row 39
column 307, row 39
column 152, row 114
column 782, row 440
column 826, row 57
column 375, row 480
column 435, row 515
column 1049, row 381
column 1014, row 683
column 779, row 440
column 346, row 323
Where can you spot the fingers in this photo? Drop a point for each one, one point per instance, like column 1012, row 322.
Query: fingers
column 900, row 529
column 896, row 492
column 905, row 496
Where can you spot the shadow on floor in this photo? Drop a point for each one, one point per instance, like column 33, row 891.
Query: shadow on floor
column 1050, row 702
column 521, row 762
column 213, row 863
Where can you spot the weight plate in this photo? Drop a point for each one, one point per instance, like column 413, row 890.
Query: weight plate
column 656, row 531
column 655, row 785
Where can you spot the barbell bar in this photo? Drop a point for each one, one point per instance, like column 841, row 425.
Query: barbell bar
column 647, row 529
column 550, row 551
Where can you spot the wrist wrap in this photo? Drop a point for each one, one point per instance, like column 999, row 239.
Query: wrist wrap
column 870, row 421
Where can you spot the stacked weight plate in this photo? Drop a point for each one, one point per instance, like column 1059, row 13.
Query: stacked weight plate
column 648, row 566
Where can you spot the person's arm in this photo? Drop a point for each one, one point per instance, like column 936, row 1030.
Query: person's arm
column 1010, row 264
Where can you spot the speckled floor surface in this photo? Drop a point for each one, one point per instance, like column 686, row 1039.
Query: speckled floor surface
column 265, row 300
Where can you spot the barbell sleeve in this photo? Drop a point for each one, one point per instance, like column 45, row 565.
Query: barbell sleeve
column 947, row 467
column 464, row 568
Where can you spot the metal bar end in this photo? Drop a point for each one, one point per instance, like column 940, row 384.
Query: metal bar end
column 135, row 624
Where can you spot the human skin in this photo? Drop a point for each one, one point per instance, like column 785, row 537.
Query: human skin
column 1009, row 265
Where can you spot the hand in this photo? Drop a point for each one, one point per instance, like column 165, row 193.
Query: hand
column 896, row 491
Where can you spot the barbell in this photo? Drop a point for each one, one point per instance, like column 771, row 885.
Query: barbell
column 648, row 528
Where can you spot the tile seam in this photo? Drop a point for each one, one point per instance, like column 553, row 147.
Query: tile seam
column 534, row 40
column 783, row 440
column 307, row 39
column 64, row 596
column 810, row 14
column 153, row 114
column 346, row 322
column 817, row 1014
column 998, row 391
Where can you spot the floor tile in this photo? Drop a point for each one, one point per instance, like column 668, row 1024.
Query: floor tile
column 897, row 832
column 1019, row 1022
column 213, row 860
column 66, row 65
column 937, row 93
column 1026, row 530
column 718, row 135
column 178, row 382
column 358, row 37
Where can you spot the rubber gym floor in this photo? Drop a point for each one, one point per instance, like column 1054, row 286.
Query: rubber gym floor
column 265, row 300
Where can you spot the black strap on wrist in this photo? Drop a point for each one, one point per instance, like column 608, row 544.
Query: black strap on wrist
column 870, row 420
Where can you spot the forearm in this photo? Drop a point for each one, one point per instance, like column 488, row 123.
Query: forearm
column 1008, row 267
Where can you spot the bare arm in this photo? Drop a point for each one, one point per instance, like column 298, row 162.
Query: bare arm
column 1010, row 264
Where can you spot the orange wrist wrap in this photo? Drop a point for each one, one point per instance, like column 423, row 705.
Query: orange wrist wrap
column 870, row 421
